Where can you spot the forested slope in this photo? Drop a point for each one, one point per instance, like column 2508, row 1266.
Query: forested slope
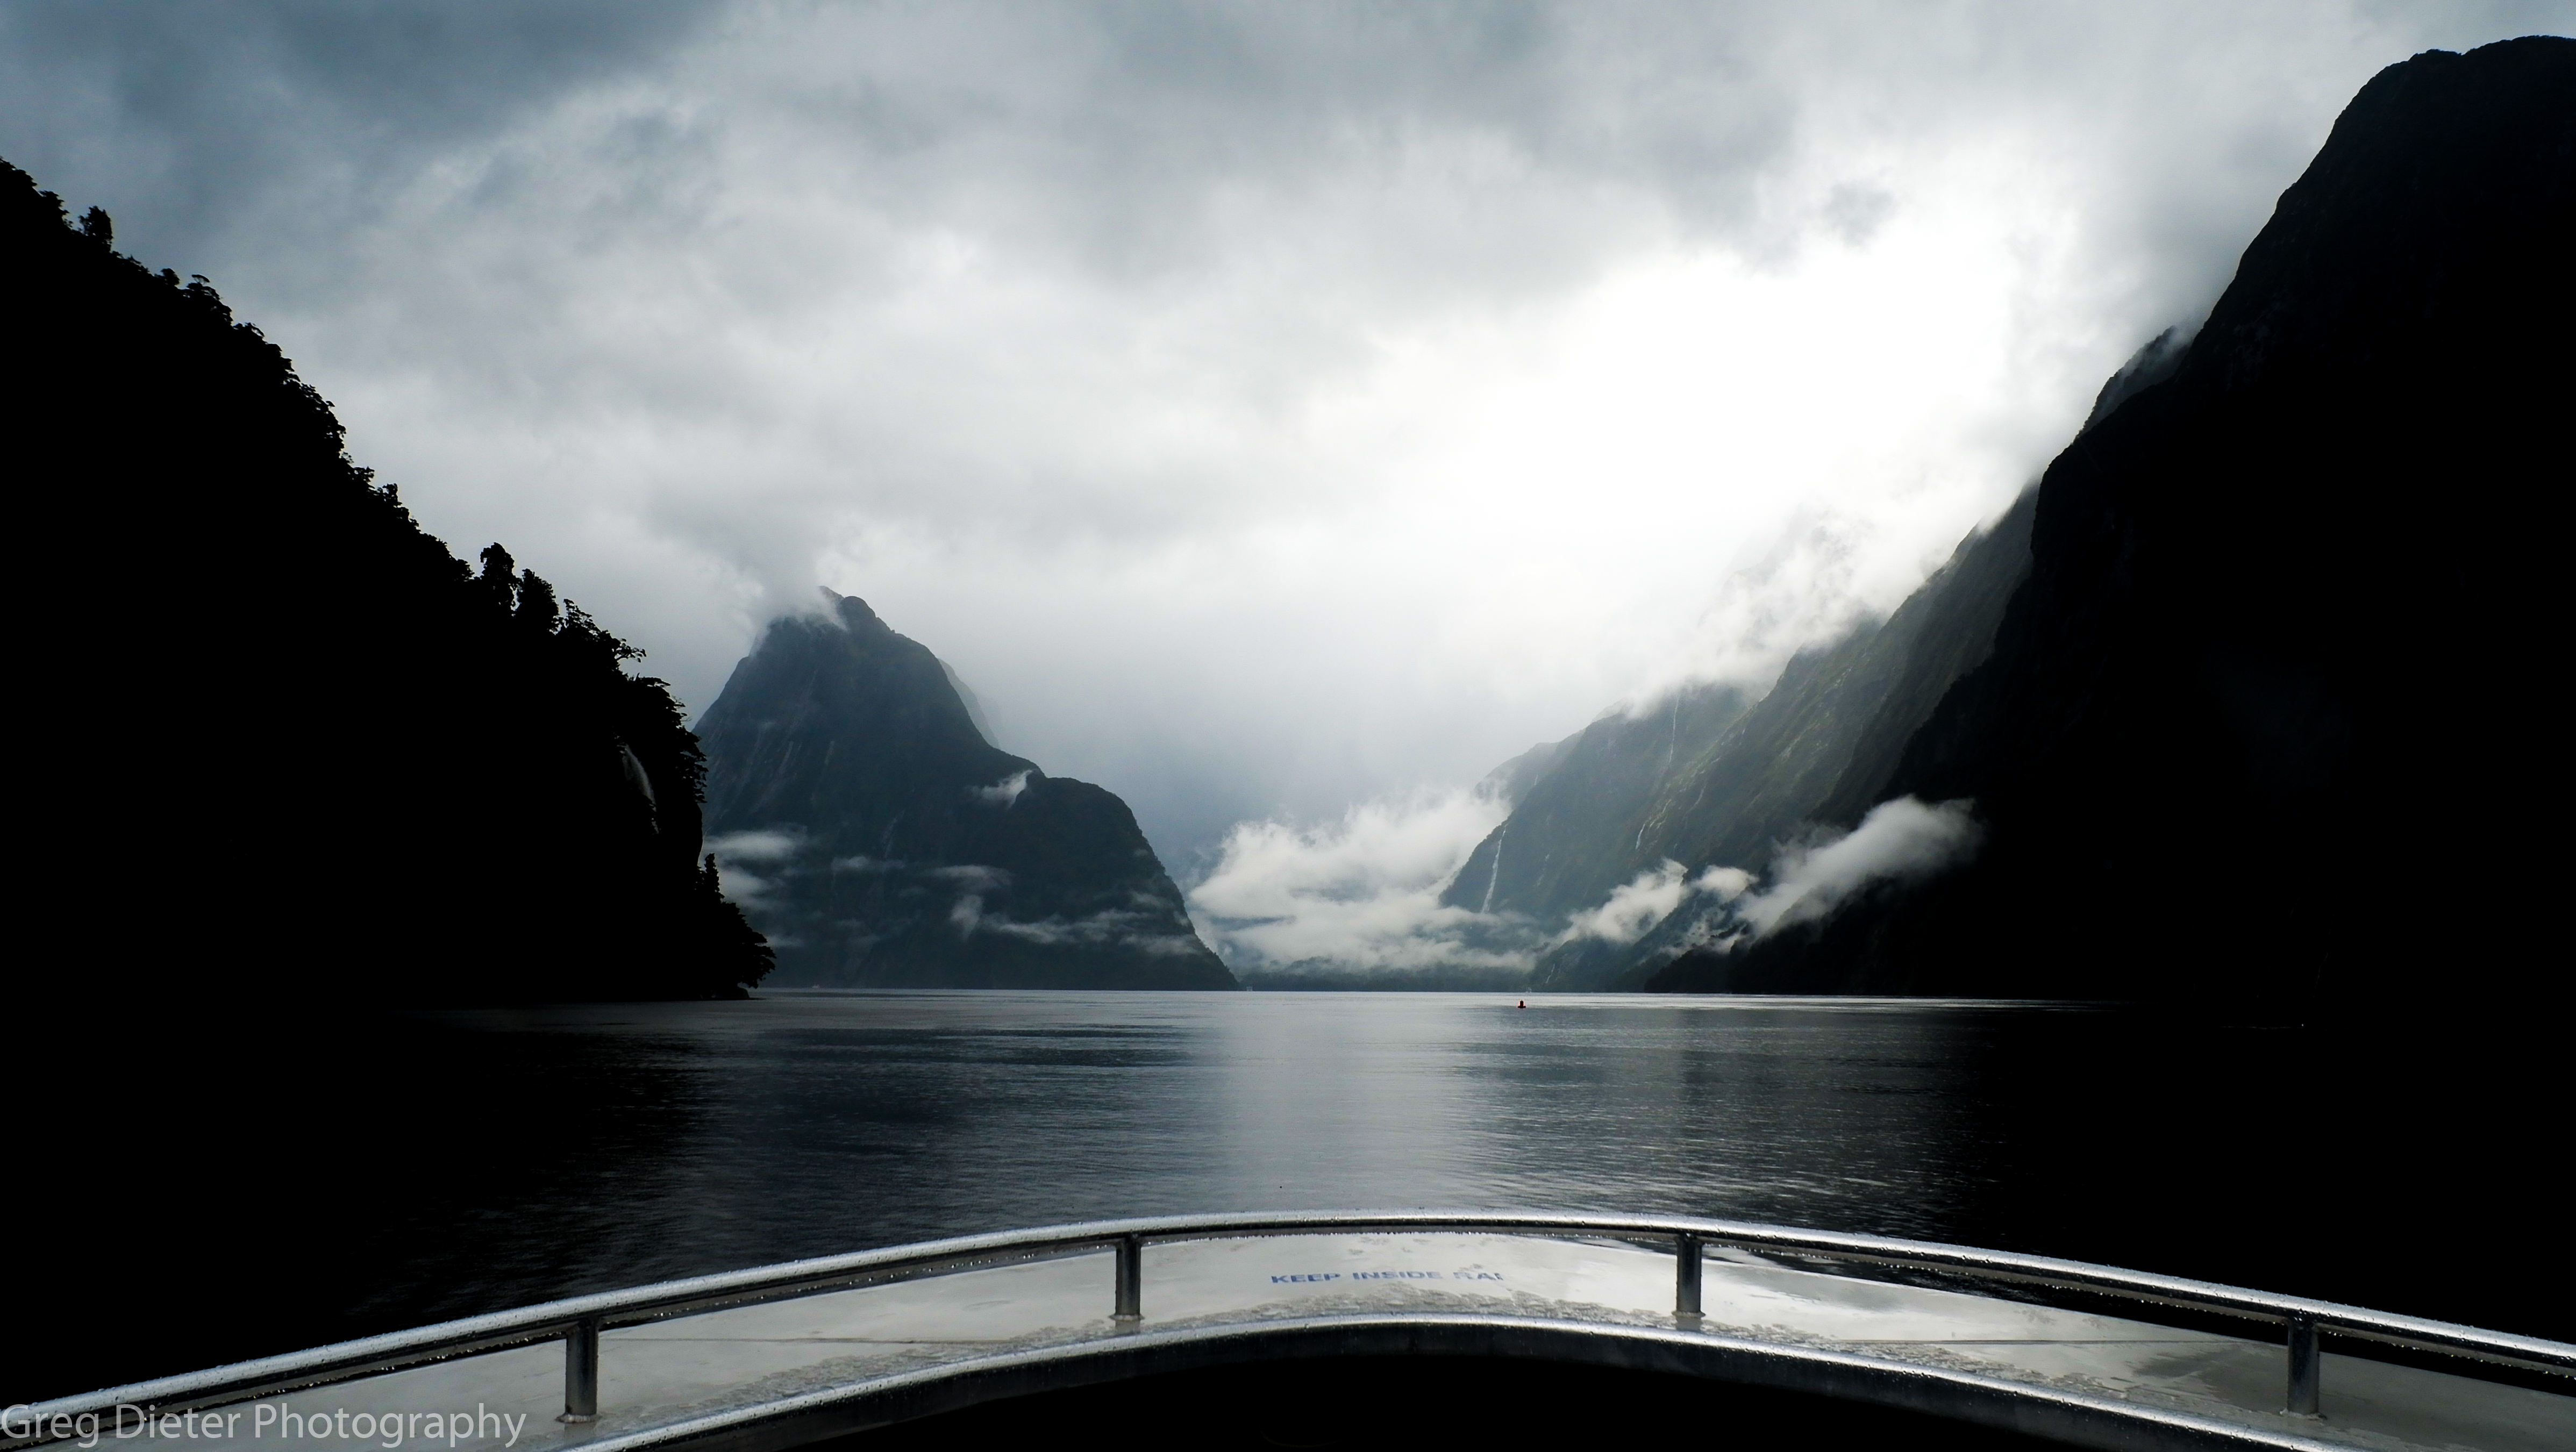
column 274, row 738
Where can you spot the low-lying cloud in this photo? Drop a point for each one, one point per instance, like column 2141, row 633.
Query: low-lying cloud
column 775, row 845
column 748, row 863
column 1633, row 906
column 1636, row 906
column 1722, row 909
column 974, row 877
column 1004, row 792
column 1901, row 840
column 1149, row 929
column 1361, row 894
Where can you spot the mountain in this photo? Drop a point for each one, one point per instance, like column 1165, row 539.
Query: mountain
column 1578, row 822
column 276, row 742
column 1790, row 760
column 882, row 840
column 1811, row 752
column 2269, row 725
column 1712, row 776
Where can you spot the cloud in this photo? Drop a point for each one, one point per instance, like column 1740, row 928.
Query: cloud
column 237, row 110
column 1900, row 840
column 1270, row 407
column 1361, row 893
column 1004, row 792
column 1726, row 884
column 1637, row 905
column 775, row 845
column 748, row 864
column 973, row 877
column 1633, row 906
column 1812, row 581
column 1153, row 932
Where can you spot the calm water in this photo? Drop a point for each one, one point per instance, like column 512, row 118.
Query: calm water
column 699, row 1137
column 276, row 1186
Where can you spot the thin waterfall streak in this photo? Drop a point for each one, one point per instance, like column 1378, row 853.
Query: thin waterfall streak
column 1495, row 874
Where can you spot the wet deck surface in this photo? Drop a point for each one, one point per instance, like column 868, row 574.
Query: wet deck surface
column 675, row 1371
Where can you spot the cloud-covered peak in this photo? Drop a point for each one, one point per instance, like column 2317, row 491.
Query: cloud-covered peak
column 853, row 613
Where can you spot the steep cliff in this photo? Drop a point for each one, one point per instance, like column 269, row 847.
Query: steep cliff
column 277, row 742
column 2280, row 670
column 1703, row 779
column 1712, row 778
column 1583, row 807
column 1813, row 756
column 1835, row 715
column 881, row 840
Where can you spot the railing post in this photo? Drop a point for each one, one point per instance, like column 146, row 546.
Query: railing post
column 581, row 1371
column 1686, row 1263
column 1131, row 1279
column 2305, row 1364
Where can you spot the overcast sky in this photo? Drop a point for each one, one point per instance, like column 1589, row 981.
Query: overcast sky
column 1267, row 408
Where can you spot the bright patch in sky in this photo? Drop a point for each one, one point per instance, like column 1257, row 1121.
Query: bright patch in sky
column 1279, row 414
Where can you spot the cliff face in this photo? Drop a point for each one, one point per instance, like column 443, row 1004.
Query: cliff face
column 1816, row 754
column 1584, row 807
column 882, row 841
column 1833, row 720
column 1713, row 778
column 2281, row 663
column 287, row 746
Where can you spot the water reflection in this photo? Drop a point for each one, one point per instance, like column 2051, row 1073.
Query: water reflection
column 806, row 1124
column 449, row 1163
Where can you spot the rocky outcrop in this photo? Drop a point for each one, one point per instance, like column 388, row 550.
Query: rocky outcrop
column 881, row 840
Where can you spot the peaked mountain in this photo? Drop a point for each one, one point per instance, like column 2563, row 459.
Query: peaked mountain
column 881, row 840
column 2281, row 667
column 282, row 744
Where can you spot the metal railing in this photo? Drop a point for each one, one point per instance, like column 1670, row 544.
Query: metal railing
column 579, row 1321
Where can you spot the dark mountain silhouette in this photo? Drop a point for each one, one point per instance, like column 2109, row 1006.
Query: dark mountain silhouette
column 893, row 845
column 2279, row 673
column 1813, row 750
column 1711, row 776
column 1714, row 776
column 276, row 739
column 1833, row 716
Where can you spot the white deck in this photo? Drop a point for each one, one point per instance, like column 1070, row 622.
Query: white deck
column 674, row 1371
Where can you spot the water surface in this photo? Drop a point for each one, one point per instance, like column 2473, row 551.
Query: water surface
column 716, row 1135
column 282, row 1183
